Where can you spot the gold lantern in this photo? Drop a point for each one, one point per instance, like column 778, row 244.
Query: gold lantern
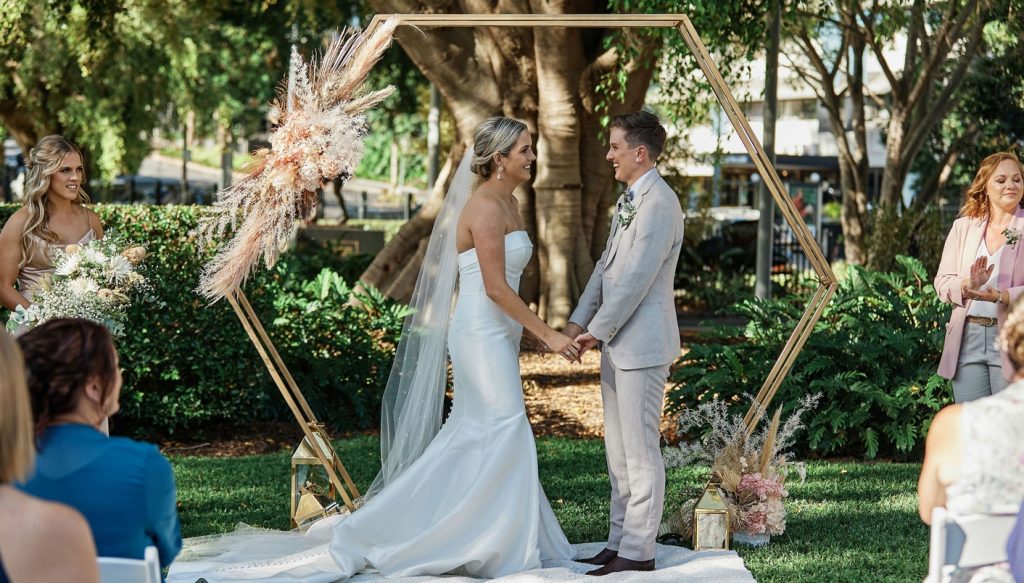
column 313, row 495
column 711, row 520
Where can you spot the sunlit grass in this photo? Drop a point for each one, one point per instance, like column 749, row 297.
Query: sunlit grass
column 847, row 522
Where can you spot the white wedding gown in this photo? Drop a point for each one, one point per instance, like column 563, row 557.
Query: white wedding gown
column 472, row 504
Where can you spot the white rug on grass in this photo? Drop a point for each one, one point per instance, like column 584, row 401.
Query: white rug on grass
column 675, row 564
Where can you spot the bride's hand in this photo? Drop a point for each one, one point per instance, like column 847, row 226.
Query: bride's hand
column 564, row 346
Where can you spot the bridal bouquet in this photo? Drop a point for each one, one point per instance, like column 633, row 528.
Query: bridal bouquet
column 751, row 466
column 97, row 282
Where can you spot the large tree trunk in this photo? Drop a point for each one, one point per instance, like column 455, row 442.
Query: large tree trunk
column 547, row 78
column 558, row 185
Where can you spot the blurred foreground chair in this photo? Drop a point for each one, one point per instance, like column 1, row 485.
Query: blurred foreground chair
column 118, row 570
column 966, row 541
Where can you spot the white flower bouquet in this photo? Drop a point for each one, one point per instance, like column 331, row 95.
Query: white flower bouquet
column 97, row 281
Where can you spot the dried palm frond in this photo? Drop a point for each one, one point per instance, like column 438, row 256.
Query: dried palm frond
column 729, row 464
column 768, row 448
column 318, row 139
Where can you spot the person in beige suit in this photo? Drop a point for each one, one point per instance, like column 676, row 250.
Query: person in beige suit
column 628, row 307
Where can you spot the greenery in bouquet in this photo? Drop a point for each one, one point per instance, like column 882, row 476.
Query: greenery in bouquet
column 97, row 281
column 751, row 467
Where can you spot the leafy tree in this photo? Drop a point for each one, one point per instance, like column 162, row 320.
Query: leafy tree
column 93, row 70
column 828, row 43
column 104, row 73
column 989, row 118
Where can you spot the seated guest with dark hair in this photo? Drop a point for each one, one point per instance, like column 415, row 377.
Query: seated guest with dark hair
column 32, row 532
column 125, row 488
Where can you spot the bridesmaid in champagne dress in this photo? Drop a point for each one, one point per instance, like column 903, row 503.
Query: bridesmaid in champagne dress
column 53, row 216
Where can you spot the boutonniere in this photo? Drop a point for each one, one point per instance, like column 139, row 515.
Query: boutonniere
column 626, row 213
column 1012, row 235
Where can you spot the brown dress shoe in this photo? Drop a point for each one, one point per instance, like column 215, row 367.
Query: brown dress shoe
column 619, row 564
column 602, row 558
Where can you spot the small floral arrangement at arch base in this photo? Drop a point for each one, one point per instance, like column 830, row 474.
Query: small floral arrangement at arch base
column 97, row 281
column 752, row 470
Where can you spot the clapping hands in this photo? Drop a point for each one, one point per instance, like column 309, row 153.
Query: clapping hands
column 981, row 271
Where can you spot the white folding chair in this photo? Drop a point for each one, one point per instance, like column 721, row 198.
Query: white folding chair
column 118, row 570
column 964, row 541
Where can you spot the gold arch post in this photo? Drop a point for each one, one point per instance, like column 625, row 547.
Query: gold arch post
column 827, row 283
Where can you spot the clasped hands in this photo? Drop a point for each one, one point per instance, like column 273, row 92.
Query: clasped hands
column 583, row 340
column 981, row 271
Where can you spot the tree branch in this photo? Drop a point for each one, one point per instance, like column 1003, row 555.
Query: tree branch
column 876, row 48
column 946, row 99
column 941, row 47
column 914, row 34
column 937, row 181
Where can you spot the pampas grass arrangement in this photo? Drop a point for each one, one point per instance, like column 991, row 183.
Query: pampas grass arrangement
column 320, row 125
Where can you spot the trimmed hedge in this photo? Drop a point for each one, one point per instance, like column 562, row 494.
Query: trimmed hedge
column 873, row 354
column 187, row 364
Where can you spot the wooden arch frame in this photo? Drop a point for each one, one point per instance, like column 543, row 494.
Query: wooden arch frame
column 313, row 431
column 827, row 283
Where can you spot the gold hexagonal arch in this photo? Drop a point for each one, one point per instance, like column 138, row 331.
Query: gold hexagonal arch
column 827, row 283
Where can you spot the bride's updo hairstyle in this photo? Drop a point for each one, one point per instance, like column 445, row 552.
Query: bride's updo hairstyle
column 497, row 135
column 1011, row 336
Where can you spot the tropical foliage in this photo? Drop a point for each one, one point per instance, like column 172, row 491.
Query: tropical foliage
column 872, row 355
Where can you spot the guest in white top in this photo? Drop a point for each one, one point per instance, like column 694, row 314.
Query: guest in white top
column 981, row 271
column 974, row 456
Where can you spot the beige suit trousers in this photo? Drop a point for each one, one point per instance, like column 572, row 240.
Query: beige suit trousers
column 633, row 401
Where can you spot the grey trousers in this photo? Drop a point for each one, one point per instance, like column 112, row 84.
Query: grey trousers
column 633, row 401
column 979, row 368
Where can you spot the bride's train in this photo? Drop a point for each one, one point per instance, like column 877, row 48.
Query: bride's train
column 471, row 504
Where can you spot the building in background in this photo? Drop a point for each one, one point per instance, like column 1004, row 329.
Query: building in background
column 806, row 151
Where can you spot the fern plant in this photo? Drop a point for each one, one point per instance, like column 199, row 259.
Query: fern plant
column 872, row 355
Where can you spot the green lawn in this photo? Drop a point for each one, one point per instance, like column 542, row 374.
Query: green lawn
column 847, row 522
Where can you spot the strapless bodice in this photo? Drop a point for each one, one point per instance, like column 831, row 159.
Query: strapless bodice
column 518, row 250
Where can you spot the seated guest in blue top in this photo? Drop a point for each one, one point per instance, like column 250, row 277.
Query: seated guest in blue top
column 32, row 532
column 125, row 488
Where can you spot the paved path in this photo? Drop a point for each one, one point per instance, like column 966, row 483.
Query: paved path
column 159, row 166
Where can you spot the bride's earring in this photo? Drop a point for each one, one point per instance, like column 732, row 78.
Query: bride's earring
column 501, row 170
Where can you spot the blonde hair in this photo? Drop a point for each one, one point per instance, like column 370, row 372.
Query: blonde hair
column 496, row 135
column 975, row 199
column 44, row 160
column 16, row 448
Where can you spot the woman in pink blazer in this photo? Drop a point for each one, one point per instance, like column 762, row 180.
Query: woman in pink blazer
column 981, row 272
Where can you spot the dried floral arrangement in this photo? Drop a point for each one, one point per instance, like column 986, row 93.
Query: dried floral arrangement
column 320, row 125
column 751, row 467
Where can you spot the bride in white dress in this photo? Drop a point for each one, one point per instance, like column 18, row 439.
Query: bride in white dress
column 464, row 498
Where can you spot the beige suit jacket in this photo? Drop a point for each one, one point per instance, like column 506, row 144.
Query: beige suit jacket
column 629, row 303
